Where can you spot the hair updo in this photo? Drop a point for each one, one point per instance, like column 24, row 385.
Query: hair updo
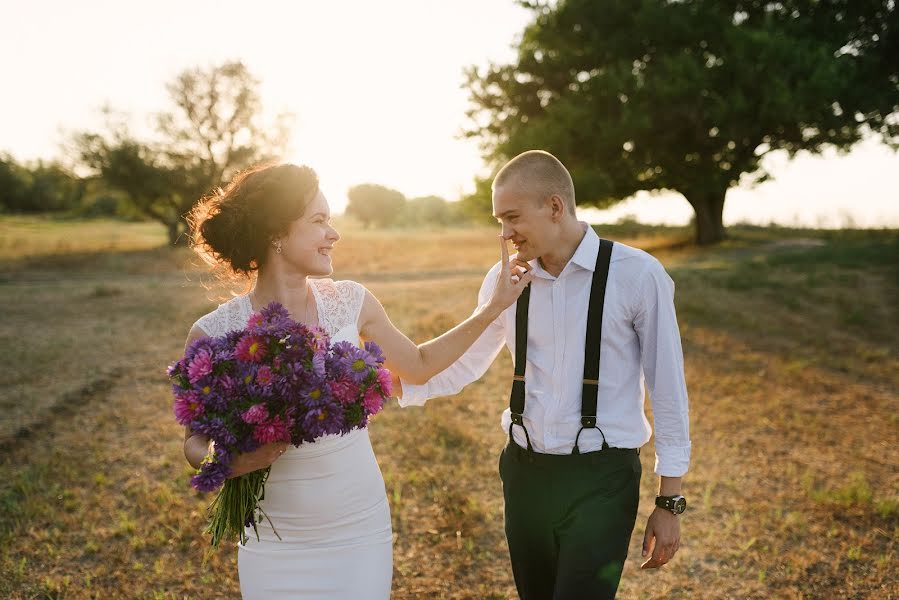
column 234, row 226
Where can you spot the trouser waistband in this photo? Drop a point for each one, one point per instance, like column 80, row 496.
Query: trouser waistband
column 606, row 455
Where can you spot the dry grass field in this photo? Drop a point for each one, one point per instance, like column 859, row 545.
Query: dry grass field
column 792, row 359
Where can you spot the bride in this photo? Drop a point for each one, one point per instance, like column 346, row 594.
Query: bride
column 327, row 498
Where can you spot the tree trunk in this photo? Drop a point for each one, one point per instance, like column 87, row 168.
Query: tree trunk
column 709, row 207
column 174, row 230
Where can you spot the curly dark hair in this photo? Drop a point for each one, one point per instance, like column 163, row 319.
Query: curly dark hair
column 234, row 226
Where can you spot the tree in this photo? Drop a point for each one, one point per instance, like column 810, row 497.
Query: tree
column 689, row 95
column 476, row 206
column 375, row 204
column 428, row 210
column 212, row 132
column 43, row 187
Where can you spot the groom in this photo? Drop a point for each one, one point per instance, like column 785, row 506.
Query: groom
column 596, row 322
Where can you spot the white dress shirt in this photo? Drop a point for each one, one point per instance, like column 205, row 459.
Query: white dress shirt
column 640, row 342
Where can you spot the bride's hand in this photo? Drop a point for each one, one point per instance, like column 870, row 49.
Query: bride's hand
column 512, row 280
column 260, row 458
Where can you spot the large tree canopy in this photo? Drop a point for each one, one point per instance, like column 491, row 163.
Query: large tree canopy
column 375, row 204
column 689, row 95
column 213, row 131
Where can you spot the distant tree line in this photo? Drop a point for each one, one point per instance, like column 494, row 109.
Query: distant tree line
column 375, row 205
column 211, row 130
column 38, row 187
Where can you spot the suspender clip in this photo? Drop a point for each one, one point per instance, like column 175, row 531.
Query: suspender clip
column 588, row 421
column 518, row 378
column 517, row 419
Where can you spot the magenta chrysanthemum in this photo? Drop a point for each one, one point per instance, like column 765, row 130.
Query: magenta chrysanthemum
column 255, row 414
column 250, row 348
column 264, row 376
column 385, row 382
column 373, row 400
column 187, row 407
column 255, row 320
column 344, row 390
column 275, row 430
column 200, row 366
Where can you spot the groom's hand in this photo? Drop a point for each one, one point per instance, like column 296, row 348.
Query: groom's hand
column 662, row 538
column 511, row 281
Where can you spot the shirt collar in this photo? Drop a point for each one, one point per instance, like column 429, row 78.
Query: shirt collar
column 584, row 256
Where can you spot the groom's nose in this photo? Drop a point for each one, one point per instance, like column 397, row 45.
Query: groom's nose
column 507, row 231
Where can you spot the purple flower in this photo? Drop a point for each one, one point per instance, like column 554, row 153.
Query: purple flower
column 216, row 428
column 357, row 363
column 222, row 454
column 375, row 350
column 211, row 476
column 318, row 364
column 324, row 419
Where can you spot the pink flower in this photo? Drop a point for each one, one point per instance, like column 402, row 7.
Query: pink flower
column 373, row 400
column 344, row 390
column 317, row 340
column 264, row 376
column 187, row 407
column 255, row 320
column 275, row 430
column 255, row 414
column 250, row 349
column 200, row 366
column 385, row 382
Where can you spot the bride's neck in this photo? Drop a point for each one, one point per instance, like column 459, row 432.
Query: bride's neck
column 290, row 291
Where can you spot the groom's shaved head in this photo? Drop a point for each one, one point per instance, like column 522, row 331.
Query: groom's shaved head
column 539, row 173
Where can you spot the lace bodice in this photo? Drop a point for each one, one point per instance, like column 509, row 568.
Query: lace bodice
column 338, row 304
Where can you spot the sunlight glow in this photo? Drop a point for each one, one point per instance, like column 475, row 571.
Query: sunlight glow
column 375, row 87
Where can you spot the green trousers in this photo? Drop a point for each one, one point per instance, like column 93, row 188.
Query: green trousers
column 569, row 520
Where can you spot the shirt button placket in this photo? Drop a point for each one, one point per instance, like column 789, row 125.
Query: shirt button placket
column 558, row 312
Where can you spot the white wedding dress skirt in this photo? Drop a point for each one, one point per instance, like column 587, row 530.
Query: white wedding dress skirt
column 326, row 500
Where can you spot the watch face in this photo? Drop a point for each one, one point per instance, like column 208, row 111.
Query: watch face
column 681, row 505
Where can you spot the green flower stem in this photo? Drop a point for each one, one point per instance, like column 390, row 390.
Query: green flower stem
column 234, row 505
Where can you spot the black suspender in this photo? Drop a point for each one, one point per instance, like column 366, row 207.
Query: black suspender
column 516, row 400
column 592, row 344
column 590, row 389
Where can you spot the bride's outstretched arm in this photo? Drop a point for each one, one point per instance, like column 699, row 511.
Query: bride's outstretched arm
column 418, row 363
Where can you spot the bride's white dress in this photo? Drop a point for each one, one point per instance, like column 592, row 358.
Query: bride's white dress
column 326, row 499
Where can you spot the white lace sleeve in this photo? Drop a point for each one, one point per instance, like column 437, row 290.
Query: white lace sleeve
column 209, row 322
column 230, row 316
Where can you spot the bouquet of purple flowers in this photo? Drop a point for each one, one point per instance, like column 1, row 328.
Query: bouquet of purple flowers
column 274, row 381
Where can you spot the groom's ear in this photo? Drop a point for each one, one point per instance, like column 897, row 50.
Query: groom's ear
column 557, row 207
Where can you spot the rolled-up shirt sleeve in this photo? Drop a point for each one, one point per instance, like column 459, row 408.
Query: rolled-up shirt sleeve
column 473, row 363
column 663, row 368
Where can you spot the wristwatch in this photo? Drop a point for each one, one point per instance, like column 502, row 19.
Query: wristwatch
column 676, row 504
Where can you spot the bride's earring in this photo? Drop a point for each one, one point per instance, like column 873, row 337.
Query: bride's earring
column 278, row 247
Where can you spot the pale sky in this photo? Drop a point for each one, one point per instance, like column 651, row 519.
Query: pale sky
column 376, row 87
